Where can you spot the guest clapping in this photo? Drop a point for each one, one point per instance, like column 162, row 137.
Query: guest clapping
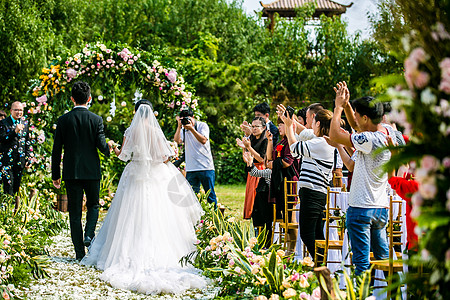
column 315, row 175
column 367, row 214
column 256, row 145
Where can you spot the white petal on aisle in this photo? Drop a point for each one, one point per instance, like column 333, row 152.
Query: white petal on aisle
column 70, row 280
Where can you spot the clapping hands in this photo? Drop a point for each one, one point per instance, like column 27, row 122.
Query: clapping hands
column 246, row 128
column 281, row 112
column 248, row 158
column 342, row 94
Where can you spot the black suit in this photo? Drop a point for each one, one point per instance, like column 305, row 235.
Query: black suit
column 80, row 133
column 275, row 133
column 14, row 154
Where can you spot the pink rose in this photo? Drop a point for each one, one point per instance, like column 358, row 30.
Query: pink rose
column 429, row 163
column 445, row 64
column 446, row 162
column 42, row 99
column 418, row 55
column 315, row 294
column 172, row 76
column 304, row 295
column 71, row 73
column 445, row 86
column 416, row 199
column 177, row 93
column 428, row 190
column 421, row 80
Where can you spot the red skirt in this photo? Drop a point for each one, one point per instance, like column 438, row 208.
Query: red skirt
column 250, row 192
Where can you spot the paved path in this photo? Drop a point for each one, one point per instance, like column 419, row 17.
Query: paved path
column 70, row 280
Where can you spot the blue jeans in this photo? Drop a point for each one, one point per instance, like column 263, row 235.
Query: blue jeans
column 367, row 230
column 206, row 179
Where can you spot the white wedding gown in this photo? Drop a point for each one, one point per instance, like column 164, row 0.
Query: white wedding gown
column 150, row 224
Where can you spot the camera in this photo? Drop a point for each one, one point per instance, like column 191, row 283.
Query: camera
column 289, row 112
column 185, row 121
column 184, row 116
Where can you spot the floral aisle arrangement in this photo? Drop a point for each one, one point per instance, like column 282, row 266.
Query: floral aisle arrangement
column 229, row 253
column 421, row 105
column 24, row 236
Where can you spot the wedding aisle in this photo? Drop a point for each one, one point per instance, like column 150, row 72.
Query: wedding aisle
column 70, row 280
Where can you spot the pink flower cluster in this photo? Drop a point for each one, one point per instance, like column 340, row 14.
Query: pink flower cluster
column 445, row 75
column 414, row 77
column 168, row 81
column 128, row 57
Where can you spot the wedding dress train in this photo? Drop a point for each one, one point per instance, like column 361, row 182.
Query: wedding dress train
column 149, row 226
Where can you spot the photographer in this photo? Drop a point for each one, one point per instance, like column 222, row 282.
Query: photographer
column 199, row 161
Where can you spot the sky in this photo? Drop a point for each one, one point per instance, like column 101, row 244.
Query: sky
column 356, row 16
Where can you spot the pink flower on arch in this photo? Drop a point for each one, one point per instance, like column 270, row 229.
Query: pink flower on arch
column 172, row 76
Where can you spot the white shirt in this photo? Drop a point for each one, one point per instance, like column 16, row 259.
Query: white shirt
column 369, row 181
column 198, row 156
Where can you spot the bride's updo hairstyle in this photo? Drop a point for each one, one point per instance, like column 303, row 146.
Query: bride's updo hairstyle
column 141, row 102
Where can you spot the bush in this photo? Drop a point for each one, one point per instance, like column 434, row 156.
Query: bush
column 230, row 168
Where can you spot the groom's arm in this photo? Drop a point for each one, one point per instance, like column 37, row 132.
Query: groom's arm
column 56, row 153
column 101, row 141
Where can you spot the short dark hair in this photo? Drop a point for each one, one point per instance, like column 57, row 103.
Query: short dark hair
column 263, row 108
column 302, row 113
column 315, row 107
column 263, row 122
column 186, row 112
column 141, row 102
column 81, row 92
column 365, row 106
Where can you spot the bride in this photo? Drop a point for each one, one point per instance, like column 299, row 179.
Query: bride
column 150, row 224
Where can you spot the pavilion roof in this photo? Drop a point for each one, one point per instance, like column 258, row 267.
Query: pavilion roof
column 286, row 8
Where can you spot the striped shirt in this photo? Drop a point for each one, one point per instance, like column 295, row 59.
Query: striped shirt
column 266, row 173
column 317, row 163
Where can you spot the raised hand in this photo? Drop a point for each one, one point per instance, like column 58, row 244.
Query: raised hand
column 246, row 128
column 281, row 112
column 248, row 158
column 178, row 120
column 189, row 126
column 342, row 94
column 240, row 143
column 246, row 142
column 269, row 135
column 19, row 127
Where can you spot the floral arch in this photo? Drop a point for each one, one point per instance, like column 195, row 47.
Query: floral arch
column 117, row 74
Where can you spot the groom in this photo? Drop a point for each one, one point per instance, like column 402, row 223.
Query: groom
column 80, row 133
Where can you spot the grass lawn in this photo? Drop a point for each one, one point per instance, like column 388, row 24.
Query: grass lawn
column 232, row 196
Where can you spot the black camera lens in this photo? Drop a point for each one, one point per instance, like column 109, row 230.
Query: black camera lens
column 185, row 121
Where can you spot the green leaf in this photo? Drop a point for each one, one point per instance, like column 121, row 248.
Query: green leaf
column 270, row 279
column 272, row 261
